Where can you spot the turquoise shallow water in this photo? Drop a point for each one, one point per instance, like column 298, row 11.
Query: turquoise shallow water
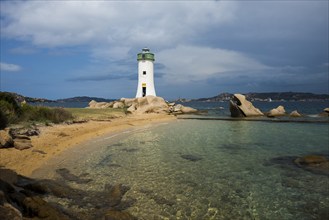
column 193, row 169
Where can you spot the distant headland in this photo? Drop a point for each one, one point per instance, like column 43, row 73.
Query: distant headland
column 266, row 97
column 252, row 96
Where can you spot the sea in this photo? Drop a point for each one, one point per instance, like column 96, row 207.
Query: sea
column 216, row 168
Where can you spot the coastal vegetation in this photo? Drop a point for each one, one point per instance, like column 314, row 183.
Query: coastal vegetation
column 12, row 112
column 95, row 114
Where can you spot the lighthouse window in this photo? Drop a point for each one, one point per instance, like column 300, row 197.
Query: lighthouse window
column 144, row 72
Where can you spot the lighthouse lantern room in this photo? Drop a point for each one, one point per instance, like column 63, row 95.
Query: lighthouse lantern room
column 145, row 73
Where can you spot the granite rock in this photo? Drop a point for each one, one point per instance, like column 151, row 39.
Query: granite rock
column 5, row 139
column 241, row 107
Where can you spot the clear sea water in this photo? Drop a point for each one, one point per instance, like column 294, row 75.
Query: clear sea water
column 208, row 169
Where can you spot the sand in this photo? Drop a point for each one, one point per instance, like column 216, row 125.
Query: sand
column 55, row 139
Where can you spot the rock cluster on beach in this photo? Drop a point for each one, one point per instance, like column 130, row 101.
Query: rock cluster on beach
column 142, row 105
column 18, row 138
column 240, row 107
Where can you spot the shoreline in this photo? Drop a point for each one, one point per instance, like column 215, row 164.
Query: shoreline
column 56, row 139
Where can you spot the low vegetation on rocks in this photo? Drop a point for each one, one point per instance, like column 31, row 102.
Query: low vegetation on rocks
column 11, row 112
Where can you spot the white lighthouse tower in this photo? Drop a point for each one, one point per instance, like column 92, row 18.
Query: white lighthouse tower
column 145, row 73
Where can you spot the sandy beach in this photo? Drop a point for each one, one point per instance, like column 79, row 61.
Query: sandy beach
column 57, row 138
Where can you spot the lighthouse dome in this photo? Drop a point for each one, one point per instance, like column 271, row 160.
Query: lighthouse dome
column 145, row 55
column 145, row 50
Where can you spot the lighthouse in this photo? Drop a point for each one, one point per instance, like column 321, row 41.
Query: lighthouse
column 145, row 73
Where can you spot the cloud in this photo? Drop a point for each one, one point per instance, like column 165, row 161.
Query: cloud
column 23, row 50
column 102, row 23
column 192, row 63
column 8, row 67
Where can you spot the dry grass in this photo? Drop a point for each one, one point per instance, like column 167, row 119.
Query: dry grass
column 96, row 114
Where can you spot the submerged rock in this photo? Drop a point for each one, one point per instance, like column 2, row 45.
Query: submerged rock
column 191, row 157
column 22, row 197
column 116, row 193
column 314, row 163
column 67, row 175
column 241, row 107
column 118, row 215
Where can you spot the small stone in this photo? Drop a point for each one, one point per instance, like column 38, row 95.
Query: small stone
column 190, row 157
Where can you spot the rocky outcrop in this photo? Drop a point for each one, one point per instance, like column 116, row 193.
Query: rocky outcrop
column 147, row 104
column 26, row 131
column 22, row 142
column 295, row 114
column 325, row 113
column 183, row 109
column 279, row 111
column 18, row 138
column 5, row 139
column 240, row 107
column 118, row 105
column 94, row 104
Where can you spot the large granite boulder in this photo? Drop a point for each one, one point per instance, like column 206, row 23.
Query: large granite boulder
column 151, row 104
column 241, row 107
column 5, row 139
column 180, row 109
column 279, row 111
column 118, row 105
column 128, row 102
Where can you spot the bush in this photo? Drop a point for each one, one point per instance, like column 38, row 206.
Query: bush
column 44, row 114
column 9, row 107
column 3, row 120
column 12, row 112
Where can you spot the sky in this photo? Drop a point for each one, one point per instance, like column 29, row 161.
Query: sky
column 62, row 49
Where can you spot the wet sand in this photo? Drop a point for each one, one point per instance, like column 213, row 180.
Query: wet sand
column 55, row 139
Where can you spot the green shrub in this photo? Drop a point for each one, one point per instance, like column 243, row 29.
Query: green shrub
column 12, row 112
column 45, row 114
column 9, row 107
column 10, row 99
column 3, row 120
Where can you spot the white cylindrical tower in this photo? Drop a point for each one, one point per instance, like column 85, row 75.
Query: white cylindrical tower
column 145, row 73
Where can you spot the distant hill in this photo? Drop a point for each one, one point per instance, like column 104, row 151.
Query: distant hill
column 270, row 96
column 20, row 98
column 84, row 99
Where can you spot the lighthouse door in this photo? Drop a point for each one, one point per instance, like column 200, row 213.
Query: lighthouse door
column 144, row 91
